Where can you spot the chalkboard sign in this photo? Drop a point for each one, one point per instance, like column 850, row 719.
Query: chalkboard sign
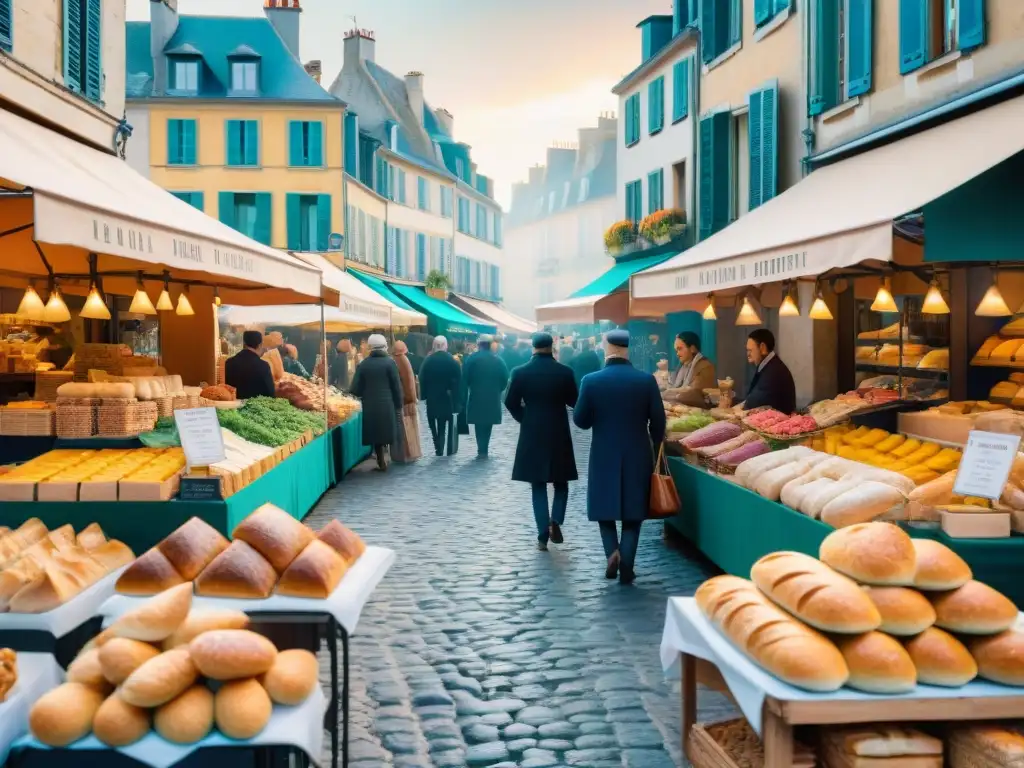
column 200, row 489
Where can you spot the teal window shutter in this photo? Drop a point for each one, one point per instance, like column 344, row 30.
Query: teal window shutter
column 197, row 201
column 251, row 155
column 422, row 193
column 859, row 27
column 715, row 189
column 824, row 57
column 401, row 186
column 323, row 222
column 293, row 221
column 636, row 117
column 628, row 127
column 709, row 23
column 630, row 215
column 656, row 105
column 763, row 142
column 295, row 154
column 681, row 90
column 914, row 26
column 970, row 21
column 706, row 175
column 93, row 50
column 73, row 23
column 263, row 218
column 174, row 142
column 316, row 144
column 6, row 25
column 234, row 142
column 226, row 208
column 421, row 256
column 763, row 11
column 188, row 142
column 655, row 191
column 735, row 24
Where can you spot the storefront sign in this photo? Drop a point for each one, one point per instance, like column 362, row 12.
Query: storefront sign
column 988, row 457
column 366, row 309
column 201, row 438
column 200, row 489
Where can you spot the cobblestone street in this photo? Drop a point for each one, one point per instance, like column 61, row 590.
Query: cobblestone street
column 479, row 650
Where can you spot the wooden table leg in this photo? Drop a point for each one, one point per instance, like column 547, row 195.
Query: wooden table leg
column 777, row 738
column 689, row 696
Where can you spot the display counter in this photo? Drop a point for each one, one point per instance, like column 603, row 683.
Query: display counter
column 347, row 445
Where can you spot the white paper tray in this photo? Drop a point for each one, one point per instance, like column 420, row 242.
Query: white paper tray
column 69, row 616
column 345, row 604
column 37, row 674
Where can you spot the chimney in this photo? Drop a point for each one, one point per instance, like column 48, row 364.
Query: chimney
column 608, row 124
column 414, row 89
column 360, row 46
column 561, row 160
column 656, row 33
column 536, row 177
column 445, row 120
column 284, row 16
column 315, row 69
column 163, row 23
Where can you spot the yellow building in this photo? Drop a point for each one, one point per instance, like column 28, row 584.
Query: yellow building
column 225, row 116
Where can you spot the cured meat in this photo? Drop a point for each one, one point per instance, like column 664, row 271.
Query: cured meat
column 712, row 434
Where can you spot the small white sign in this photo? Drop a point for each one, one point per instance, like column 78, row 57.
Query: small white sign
column 201, row 438
column 988, row 457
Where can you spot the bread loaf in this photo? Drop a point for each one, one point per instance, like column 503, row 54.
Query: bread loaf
column 825, row 490
column 112, row 555
column 1000, row 658
column 905, row 612
column 57, row 584
column 150, row 574
column 973, row 609
column 293, row 676
column 200, row 621
column 342, row 540
column 275, row 534
column 231, row 654
column 814, row 593
column 120, row 656
column 753, row 468
column 770, row 637
column 158, row 617
column 188, row 718
column 314, row 573
column 939, row 567
column 934, row 492
column 239, row 571
column 86, row 669
column 118, row 724
column 65, row 714
column 884, row 741
column 242, row 709
column 861, row 504
column 941, row 659
column 91, row 537
column 770, row 483
column 160, row 679
column 792, row 493
column 986, row 746
column 871, row 553
column 877, row 663
column 192, row 547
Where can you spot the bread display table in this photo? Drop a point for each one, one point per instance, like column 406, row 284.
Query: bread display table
column 774, row 708
column 37, row 674
column 347, row 443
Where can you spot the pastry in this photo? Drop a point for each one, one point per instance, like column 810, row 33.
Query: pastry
column 275, row 534
column 239, row 571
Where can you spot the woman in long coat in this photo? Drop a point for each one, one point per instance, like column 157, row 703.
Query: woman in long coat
column 409, row 426
column 440, row 377
column 377, row 384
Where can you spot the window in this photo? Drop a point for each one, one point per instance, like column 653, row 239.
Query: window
column 721, row 23
column 584, row 190
column 497, row 229
column 421, row 256
column 309, row 222
column 634, row 200
column 463, row 224
column 243, row 143
column 400, row 182
column 6, row 26
column 481, row 222
column 460, row 168
column 714, row 173
column 361, row 231
column 655, row 191
column 83, row 47
column 841, row 43
column 495, row 282
column 305, row 144
column 766, row 10
column 185, row 75
column 248, row 212
column 681, row 90
column 633, row 119
column 422, row 193
column 382, row 175
column 763, row 116
column 446, row 202
column 195, row 199
column 367, row 160
column 930, row 29
column 245, row 77
column 656, row 105
column 181, row 142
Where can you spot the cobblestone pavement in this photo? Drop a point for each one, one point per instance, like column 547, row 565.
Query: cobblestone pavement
column 479, row 650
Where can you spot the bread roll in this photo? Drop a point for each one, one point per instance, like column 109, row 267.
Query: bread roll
column 859, row 505
column 877, row 663
column 112, row 555
column 814, row 593
column 871, row 553
column 192, row 547
column 91, row 536
column 314, row 573
column 200, row 621
column 939, row 567
column 941, row 659
column 118, row 724
column 293, row 676
column 973, row 609
column 188, row 718
column 1000, row 657
column 795, row 491
column 62, row 537
column 770, row 483
column 57, row 584
column 905, row 612
column 342, row 540
column 242, row 709
column 770, row 637
column 160, row 679
column 65, row 714
column 275, row 534
column 151, row 574
column 825, row 489
column 753, row 468
column 884, row 741
column 231, row 654
column 86, row 669
column 239, row 571
column 120, row 656
column 157, row 618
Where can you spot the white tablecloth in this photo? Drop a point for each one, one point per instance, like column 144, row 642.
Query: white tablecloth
column 300, row 727
column 68, row 616
column 37, row 674
column 345, row 603
column 687, row 631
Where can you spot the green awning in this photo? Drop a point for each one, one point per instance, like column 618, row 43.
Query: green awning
column 443, row 317
column 380, row 287
column 618, row 276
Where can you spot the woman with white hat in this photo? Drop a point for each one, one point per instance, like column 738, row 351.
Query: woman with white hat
column 377, row 384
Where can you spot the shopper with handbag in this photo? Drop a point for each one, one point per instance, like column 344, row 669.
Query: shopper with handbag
column 408, row 418
column 622, row 405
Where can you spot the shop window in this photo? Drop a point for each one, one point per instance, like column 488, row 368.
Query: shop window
column 929, row 29
column 655, row 106
column 721, row 24
column 181, row 142
column 655, row 191
column 247, row 212
column 83, row 47
column 633, row 119
column 766, row 10
column 185, row 76
column 243, row 143
column 245, row 77
column 305, row 144
column 309, row 222
column 6, row 26
column 841, row 43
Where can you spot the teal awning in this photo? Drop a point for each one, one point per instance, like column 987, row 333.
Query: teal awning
column 381, row 288
column 618, row 276
column 443, row 317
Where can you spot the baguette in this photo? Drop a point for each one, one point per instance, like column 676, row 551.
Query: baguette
column 770, row 637
column 861, row 504
column 974, row 609
column 753, row 468
column 871, row 553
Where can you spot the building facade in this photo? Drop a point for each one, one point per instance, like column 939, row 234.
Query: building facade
column 558, row 217
column 226, row 118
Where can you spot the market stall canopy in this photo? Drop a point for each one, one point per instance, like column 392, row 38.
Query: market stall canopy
column 495, row 313
column 446, row 318
column 61, row 201
column 305, row 316
column 842, row 214
column 403, row 313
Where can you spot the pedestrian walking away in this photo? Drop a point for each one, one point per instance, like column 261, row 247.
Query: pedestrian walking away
column 484, row 378
column 585, row 362
column 408, row 418
column 377, row 384
column 623, row 407
column 440, row 380
column 538, row 395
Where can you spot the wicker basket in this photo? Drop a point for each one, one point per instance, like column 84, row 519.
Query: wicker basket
column 734, row 744
column 164, row 406
column 102, row 357
column 78, row 402
column 125, row 419
column 76, row 421
column 185, row 401
column 21, row 422
column 47, row 383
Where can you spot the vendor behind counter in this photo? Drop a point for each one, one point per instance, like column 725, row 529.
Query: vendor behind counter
column 247, row 372
column 60, row 346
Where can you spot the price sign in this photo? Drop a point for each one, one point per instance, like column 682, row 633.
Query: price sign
column 201, row 438
column 988, row 457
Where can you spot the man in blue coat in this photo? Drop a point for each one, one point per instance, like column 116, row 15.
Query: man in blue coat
column 623, row 407
column 484, row 378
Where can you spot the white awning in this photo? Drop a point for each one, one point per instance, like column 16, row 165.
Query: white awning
column 842, row 214
column 83, row 201
column 586, row 309
column 307, row 316
column 505, row 320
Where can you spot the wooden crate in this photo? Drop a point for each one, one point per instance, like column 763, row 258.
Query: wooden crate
column 61, row 490
column 22, row 422
column 134, row 490
column 708, row 747
column 18, row 490
column 48, row 381
column 98, row 490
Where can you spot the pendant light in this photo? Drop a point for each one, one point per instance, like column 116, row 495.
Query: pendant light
column 164, row 303
column 216, row 296
column 747, row 315
column 789, row 307
column 184, row 305
column 31, row 306
column 819, row 309
column 95, row 308
column 709, row 311
column 56, row 310
column 884, row 301
column 993, row 304
column 141, row 303
column 933, row 303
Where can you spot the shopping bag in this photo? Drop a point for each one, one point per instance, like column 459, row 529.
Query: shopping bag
column 453, row 437
column 664, row 495
column 463, row 423
column 411, row 423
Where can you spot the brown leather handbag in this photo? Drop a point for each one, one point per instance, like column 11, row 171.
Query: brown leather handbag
column 664, row 495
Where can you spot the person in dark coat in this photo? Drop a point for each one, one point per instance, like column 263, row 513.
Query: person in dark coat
column 440, row 379
column 339, row 363
column 623, row 406
column 376, row 383
column 773, row 383
column 585, row 362
column 484, row 378
column 566, row 352
column 537, row 398
column 511, row 356
column 246, row 372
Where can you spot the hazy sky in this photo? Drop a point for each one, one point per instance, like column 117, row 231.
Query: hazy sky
column 517, row 76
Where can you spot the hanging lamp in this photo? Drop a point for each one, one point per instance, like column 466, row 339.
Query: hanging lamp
column 164, row 303
column 933, row 303
column 95, row 308
column 141, row 303
column 709, row 310
column 789, row 307
column 216, row 296
column 993, row 304
column 184, row 305
column 819, row 309
column 56, row 311
column 747, row 314
column 31, row 306
column 884, row 302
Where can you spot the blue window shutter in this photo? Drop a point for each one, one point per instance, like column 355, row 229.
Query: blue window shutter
column 636, row 117
column 970, row 20
column 323, row 222
column 735, row 24
column 709, row 22
column 352, row 143
column 824, row 42
column 6, row 25
column 707, row 179
column 226, row 208
column 72, row 46
column 421, row 255
column 316, row 144
column 234, row 142
column 628, row 127
column 762, row 11
column 755, row 146
column 859, row 42
column 174, row 142
column 630, row 215
column 188, row 142
column 656, row 105
column 681, row 90
column 401, row 186
column 264, row 218
column 654, row 191
column 715, row 190
column 295, row 156
column 252, row 142
column 293, row 221
column 93, row 51
column 197, row 201
column 763, row 139
column 914, row 26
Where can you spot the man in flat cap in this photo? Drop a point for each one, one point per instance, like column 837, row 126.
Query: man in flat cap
column 484, row 378
column 538, row 396
column 623, row 407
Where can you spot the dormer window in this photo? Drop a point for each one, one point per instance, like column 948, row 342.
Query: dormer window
column 185, row 76
column 245, row 71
